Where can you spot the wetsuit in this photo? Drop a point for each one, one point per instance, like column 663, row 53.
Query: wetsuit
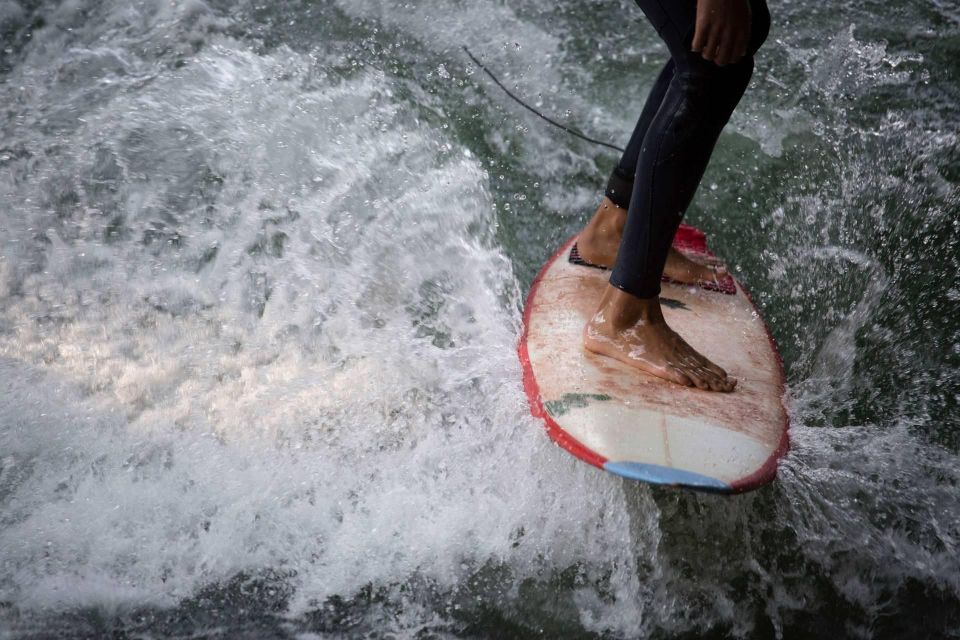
column 689, row 104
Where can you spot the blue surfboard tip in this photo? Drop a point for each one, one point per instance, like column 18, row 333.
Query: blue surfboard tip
column 657, row 474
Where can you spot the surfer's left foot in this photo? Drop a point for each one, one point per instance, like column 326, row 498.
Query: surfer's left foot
column 633, row 331
column 599, row 242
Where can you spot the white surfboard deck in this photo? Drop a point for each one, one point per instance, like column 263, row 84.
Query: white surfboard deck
column 637, row 425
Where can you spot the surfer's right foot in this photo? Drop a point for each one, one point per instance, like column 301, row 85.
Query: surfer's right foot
column 633, row 331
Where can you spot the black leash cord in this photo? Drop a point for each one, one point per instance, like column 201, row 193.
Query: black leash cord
column 523, row 104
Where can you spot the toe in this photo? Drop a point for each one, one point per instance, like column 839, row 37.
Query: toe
column 711, row 380
column 678, row 376
column 717, row 371
column 700, row 382
column 709, row 366
column 716, row 382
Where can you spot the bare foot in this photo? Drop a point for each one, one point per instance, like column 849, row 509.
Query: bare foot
column 633, row 331
column 600, row 239
column 680, row 268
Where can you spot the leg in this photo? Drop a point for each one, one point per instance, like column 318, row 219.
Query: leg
column 672, row 159
column 620, row 183
column 600, row 240
column 621, row 180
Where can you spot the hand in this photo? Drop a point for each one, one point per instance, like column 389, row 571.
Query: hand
column 722, row 31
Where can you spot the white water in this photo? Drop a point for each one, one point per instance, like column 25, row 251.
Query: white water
column 334, row 393
column 254, row 317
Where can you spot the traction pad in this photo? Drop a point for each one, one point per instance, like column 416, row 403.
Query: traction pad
column 687, row 240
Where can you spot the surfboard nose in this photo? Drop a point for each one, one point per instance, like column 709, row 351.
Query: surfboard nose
column 657, row 474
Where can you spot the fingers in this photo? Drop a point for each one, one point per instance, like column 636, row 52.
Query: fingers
column 729, row 49
column 700, row 33
column 722, row 30
column 739, row 42
column 712, row 45
column 725, row 47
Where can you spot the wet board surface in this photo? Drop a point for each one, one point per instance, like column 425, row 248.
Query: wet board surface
column 636, row 425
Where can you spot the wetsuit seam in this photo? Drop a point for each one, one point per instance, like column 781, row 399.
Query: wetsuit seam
column 666, row 18
column 653, row 173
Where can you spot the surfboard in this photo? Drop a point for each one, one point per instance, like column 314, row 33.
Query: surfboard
column 636, row 425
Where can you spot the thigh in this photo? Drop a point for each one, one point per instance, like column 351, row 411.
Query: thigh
column 675, row 21
column 760, row 24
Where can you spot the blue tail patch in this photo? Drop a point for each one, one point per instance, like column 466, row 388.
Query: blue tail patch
column 657, row 474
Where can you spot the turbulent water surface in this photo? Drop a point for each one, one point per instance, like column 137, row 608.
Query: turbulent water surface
column 261, row 266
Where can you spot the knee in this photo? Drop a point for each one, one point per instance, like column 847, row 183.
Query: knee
column 700, row 103
column 737, row 77
column 714, row 90
column 739, row 74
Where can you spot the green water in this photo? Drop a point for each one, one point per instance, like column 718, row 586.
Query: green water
column 208, row 432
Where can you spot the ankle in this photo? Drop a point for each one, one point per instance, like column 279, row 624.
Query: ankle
column 623, row 310
column 611, row 210
column 608, row 218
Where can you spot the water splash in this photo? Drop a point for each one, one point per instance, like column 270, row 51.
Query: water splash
column 259, row 294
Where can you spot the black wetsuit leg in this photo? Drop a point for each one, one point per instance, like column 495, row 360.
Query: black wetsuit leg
column 620, row 184
column 666, row 157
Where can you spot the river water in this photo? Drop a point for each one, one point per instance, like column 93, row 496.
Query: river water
column 261, row 271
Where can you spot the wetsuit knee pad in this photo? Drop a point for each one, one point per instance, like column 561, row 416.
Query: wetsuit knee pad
column 711, row 92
